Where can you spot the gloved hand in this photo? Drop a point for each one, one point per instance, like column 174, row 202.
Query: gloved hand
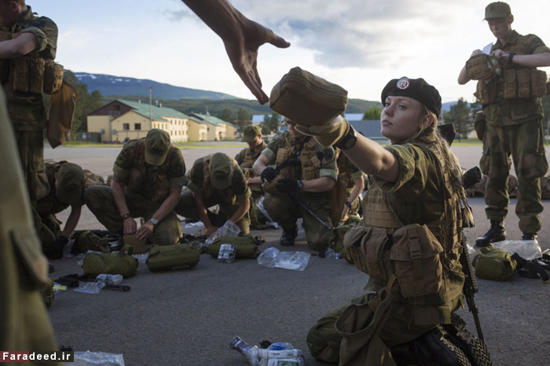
column 268, row 174
column 327, row 134
column 289, row 186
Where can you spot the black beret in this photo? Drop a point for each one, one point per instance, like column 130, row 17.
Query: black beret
column 417, row 89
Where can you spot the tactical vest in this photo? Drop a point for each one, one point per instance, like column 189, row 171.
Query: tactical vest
column 310, row 164
column 515, row 82
column 33, row 74
column 424, row 258
column 151, row 181
column 250, row 156
column 223, row 195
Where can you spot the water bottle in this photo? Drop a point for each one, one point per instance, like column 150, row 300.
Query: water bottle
column 251, row 353
column 110, row 279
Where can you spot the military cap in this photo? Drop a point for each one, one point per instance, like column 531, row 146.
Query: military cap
column 497, row 9
column 70, row 183
column 157, row 145
column 250, row 133
column 221, row 169
column 417, row 89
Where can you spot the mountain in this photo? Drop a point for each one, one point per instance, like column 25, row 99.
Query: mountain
column 117, row 85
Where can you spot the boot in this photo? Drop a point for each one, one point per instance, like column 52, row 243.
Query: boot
column 495, row 233
column 530, row 237
column 287, row 239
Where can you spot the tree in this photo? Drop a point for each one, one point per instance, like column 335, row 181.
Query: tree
column 85, row 103
column 459, row 116
column 373, row 113
column 226, row 115
column 271, row 124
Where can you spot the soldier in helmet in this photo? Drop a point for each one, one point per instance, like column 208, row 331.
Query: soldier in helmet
column 67, row 184
column 252, row 135
column 511, row 124
column 149, row 174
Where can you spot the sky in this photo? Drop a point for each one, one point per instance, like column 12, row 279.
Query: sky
column 357, row 44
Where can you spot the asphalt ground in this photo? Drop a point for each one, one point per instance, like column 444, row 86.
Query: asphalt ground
column 188, row 317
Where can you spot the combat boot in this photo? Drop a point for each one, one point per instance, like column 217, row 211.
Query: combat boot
column 530, row 237
column 287, row 239
column 495, row 233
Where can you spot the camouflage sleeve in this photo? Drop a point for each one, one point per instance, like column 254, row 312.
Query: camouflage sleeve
column 124, row 161
column 271, row 150
column 240, row 188
column 176, row 168
column 328, row 163
column 414, row 172
column 46, row 32
column 196, row 178
column 240, row 156
column 535, row 45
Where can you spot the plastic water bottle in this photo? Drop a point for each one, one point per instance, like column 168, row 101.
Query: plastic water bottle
column 110, row 279
column 251, row 353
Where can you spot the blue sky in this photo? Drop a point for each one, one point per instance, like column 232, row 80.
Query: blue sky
column 358, row 44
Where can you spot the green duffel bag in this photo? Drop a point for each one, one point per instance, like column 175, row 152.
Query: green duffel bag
column 247, row 246
column 87, row 240
column 112, row 263
column 494, row 264
column 168, row 257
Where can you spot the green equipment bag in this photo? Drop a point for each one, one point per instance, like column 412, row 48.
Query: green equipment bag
column 247, row 246
column 112, row 263
column 87, row 240
column 494, row 264
column 168, row 257
column 302, row 96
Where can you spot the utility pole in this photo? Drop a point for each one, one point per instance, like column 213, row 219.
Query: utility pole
column 150, row 106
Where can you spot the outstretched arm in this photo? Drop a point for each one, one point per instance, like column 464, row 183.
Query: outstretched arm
column 242, row 38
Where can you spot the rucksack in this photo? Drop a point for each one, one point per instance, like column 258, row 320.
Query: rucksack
column 494, row 264
column 247, row 246
column 112, row 263
column 169, row 257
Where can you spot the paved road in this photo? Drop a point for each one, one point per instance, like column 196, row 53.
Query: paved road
column 188, row 317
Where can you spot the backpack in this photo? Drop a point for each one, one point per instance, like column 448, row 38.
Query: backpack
column 112, row 263
column 494, row 264
column 247, row 246
column 169, row 257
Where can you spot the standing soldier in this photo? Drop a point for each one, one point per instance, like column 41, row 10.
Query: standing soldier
column 27, row 44
column 252, row 135
column 512, row 110
column 306, row 171
column 149, row 174
column 67, row 183
column 216, row 180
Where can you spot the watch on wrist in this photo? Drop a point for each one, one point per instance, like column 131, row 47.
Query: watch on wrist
column 348, row 203
column 299, row 184
column 511, row 57
column 154, row 221
column 125, row 216
column 348, row 141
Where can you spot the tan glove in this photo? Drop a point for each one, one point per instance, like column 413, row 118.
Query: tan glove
column 329, row 133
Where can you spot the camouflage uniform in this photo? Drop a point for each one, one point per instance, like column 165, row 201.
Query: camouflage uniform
column 24, row 321
column 347, row 173
column 416, row 197
column 315, row 161
column 228, row 199
column 26, row 108
column 514, row 127
column 47, row 207
column 246, row 159
column 146, row 187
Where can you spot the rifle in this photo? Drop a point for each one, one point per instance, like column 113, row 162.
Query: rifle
column 471, row 177
column 306, row 208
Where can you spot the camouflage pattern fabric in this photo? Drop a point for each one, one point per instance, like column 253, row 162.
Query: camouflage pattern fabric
column 525, row 144
column 100, row 201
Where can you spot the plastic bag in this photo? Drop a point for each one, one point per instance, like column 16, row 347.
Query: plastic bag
column 228, row 229
column 192, row 228
column 527, row 249
column 260, row 206
column 90, row 287
column 97, row 359
column 274, row 258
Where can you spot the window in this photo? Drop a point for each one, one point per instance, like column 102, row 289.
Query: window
column 137, row 126
column 126, row 126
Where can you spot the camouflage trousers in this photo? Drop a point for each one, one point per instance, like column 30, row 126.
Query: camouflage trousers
column 285, row 211
column 49, row 229
column 525, row 144
column 101, row 202
column 257, row 218
column 324, row 341
column 188, row 209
